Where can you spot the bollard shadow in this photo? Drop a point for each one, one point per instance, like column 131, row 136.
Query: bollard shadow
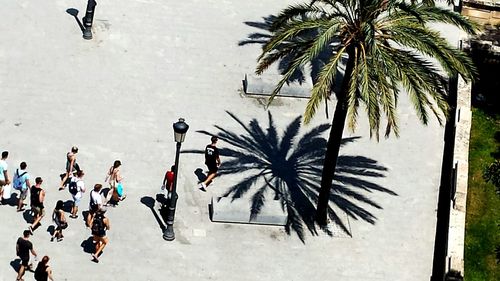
column 289, row 168
column 150, row 203
column 74, row 12
column 88, row 245
column 16, row 264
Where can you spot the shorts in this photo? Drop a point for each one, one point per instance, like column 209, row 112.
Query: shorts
column 212, row 168
column 24, row 194
column 38, row 211
column 76, row 201
column 25, row 261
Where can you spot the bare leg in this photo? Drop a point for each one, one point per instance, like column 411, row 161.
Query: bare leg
column 20, row 274
column 209, row 179
column 35, row 222
column 63, row 181
column 20, row 202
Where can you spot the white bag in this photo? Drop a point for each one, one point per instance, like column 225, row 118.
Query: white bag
column 7, row 191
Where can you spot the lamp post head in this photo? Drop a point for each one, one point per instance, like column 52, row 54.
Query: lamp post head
column 180, row 129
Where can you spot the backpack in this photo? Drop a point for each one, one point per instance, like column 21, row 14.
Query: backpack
column 73, row 187
column 18, row 180
column 98, row 225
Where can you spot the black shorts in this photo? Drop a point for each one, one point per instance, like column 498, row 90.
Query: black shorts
column 212, row 168
column 25, row 261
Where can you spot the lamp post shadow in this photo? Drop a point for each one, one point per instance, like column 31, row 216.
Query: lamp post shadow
column 74, row 12
column 150, row 203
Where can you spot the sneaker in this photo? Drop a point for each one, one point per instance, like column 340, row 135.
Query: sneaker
column 52, row 239
column 60, row 239
column 203, row 187
column 94, row 258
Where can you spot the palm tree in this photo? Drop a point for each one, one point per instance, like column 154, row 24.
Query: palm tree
column 388, row 47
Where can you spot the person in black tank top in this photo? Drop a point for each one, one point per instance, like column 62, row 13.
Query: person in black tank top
column 37, row 207
column 99, row 223
column 43, row 272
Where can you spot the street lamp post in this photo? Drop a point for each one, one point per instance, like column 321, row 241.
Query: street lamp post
column 180, row 129
column 88, row 19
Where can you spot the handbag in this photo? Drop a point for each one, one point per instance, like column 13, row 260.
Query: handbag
column 119, row 189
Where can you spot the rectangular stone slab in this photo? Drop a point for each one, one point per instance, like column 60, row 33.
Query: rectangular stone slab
column 263, row 85
column 238, row 211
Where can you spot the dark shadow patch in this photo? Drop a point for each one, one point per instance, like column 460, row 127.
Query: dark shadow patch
column 88, row 245
column 74, row 13
column 51, row 229
column 150, row 203
column 200, row 175
column 16, row 264
column 68, row 205
column 28, row 216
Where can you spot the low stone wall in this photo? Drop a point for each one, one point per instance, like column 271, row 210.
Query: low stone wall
column 456, row 234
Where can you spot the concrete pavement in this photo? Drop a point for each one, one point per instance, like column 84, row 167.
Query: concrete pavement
column 116, row 97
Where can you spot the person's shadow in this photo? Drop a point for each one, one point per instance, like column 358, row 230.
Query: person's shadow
column 88, row 245
column 16, row 264
column 200, row 175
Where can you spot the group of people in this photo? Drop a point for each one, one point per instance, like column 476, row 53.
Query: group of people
column 72, row 180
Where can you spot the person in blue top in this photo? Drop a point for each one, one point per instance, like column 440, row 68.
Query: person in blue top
column 21, row 183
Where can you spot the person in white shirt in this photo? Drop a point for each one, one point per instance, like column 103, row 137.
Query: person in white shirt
column 77, row 197
column 21, row 183
column 4, row 175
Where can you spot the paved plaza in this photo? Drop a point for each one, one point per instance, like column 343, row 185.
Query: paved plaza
column 116, row 97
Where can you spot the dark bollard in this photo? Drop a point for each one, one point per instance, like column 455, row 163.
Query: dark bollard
column 88, row 19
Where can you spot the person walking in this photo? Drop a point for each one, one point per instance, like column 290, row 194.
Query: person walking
column 37, row 198
column 168, row 180
column 99, row 225
column 60, row 221
column 22, row 184
column 4, row 175
column 114, row 178
column 23, row 249
column 212, row 160
column 43, row 272
column 95, row 202
column 71, row 167
column 76, row 188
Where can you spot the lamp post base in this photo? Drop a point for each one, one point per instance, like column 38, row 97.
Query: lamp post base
column 169, row 234
column 87, row 34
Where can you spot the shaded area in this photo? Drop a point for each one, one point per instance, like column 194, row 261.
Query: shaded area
column 288, row 168
column 487, row 60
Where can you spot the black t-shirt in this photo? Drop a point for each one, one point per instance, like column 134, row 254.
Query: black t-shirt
column 24, row 248
column 211, row 154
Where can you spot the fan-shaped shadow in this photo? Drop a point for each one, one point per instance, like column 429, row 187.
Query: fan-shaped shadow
column 290, row 49
column 289, row 169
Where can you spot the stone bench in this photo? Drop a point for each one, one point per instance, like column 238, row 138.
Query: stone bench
column 238, row 211
column 263, row 85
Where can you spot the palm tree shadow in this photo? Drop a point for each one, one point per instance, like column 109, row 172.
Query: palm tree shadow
column 291, row 49
column 289, row 169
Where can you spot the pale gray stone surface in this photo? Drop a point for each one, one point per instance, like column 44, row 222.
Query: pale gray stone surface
column 116, row 97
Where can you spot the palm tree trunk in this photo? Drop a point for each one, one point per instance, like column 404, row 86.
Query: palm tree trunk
column 333, row 145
